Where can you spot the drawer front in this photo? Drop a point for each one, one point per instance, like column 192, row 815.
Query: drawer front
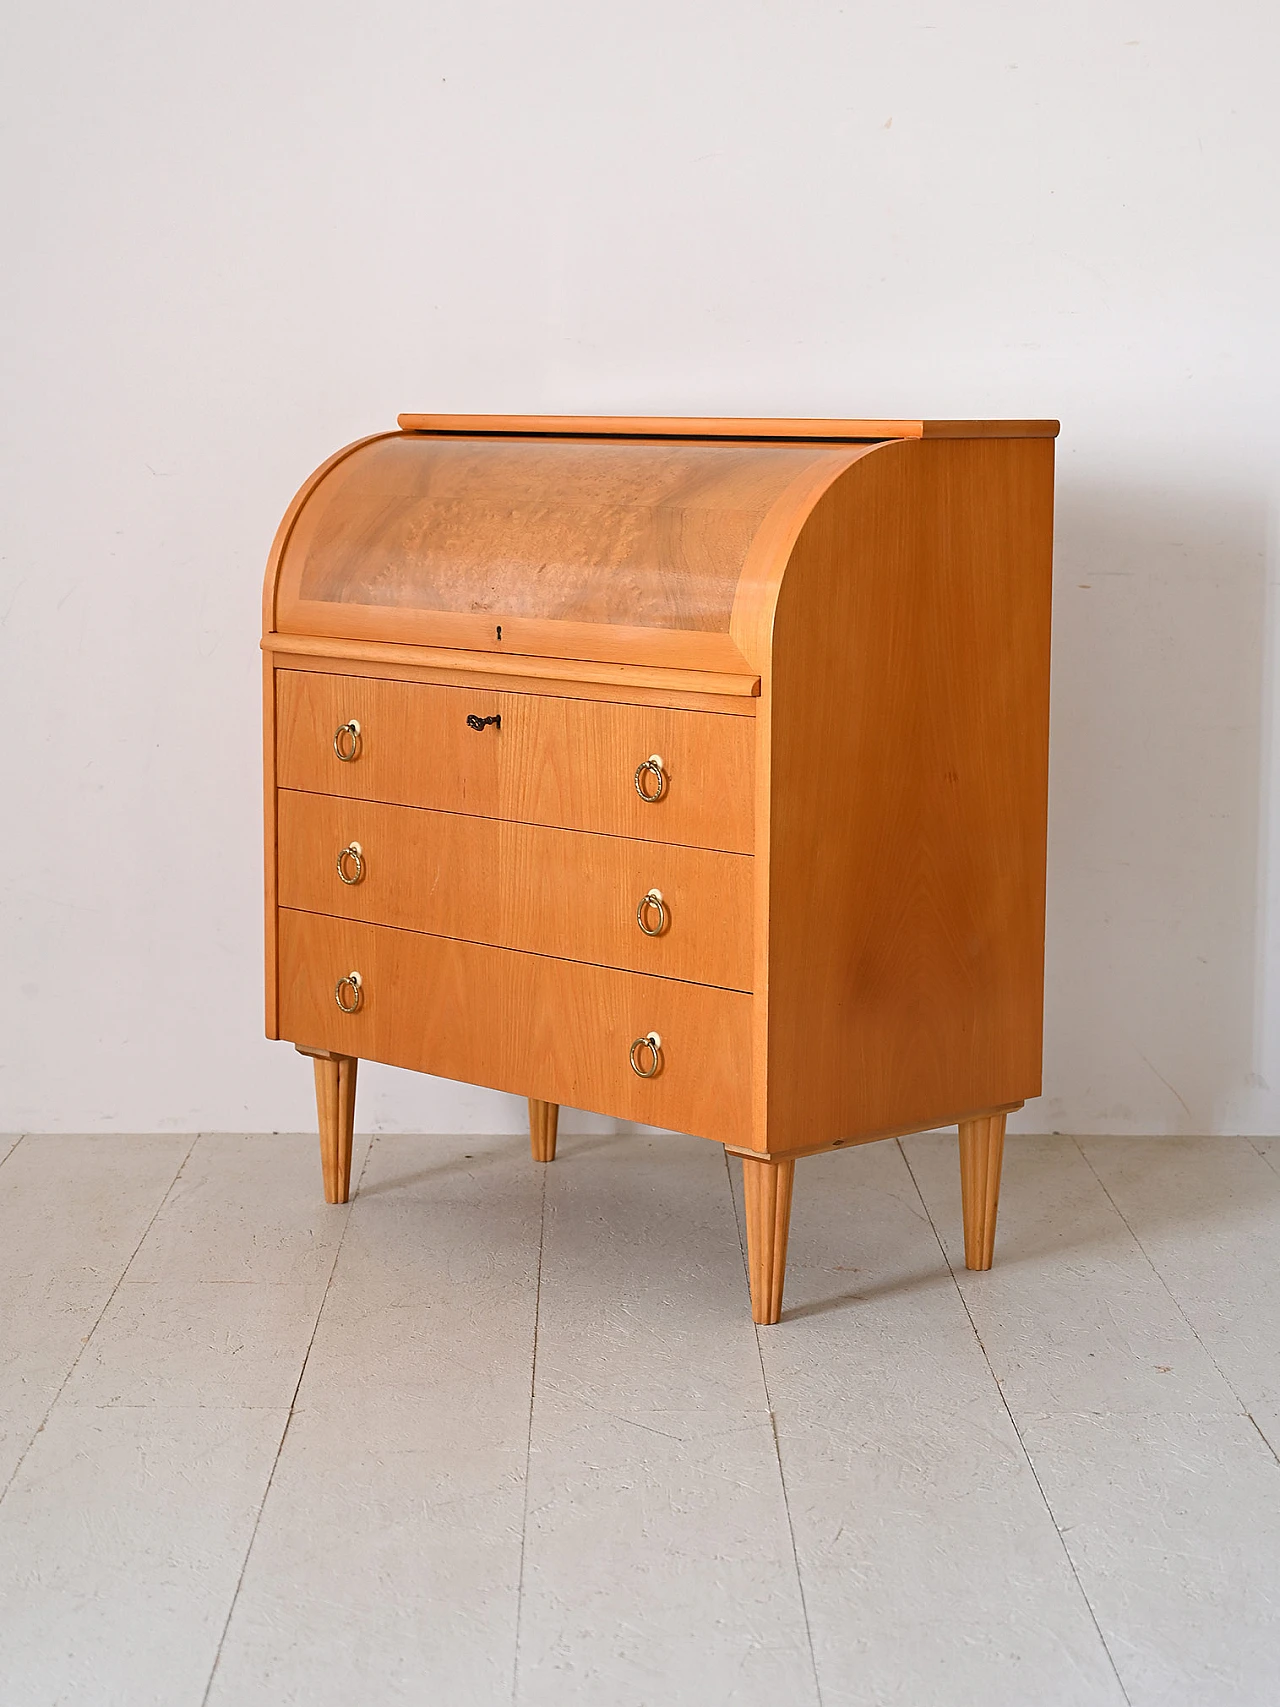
column 524, row 886
column 552, row 1029
column 566, row 762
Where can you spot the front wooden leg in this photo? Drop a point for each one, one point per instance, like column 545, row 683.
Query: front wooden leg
column 336, row 1108
column 543, row 1120
column 766, row 1193
column 981, row 1152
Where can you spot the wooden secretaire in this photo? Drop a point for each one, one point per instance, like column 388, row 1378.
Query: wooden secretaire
column 689, row 771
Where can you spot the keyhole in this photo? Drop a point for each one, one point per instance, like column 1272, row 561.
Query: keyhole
column 499, row 631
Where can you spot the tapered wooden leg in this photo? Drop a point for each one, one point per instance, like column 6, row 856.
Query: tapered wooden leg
column 336, row 1108
column 981, row 1152
column 766, row 1192
column 543, row 1119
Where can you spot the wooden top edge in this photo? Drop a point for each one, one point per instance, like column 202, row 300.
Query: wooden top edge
column 722, row 427
column 534, row 666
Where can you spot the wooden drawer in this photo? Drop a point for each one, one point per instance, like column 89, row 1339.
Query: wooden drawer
column 552, row 1029
column 524, row 886
column 566, row 762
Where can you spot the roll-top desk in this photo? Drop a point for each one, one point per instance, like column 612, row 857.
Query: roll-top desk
column 688, row 771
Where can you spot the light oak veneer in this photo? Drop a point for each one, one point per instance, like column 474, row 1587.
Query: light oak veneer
column 555, row 1030
column 725, row 427
column 550, row 760
column 835, row 637
column 541, row 890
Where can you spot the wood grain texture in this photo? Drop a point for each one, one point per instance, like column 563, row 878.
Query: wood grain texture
column 766, row 1196
column 797, row 1152
column 271, row 1019
column 544, row 1117
column 564, row 762
column 549, row 1029
column 981, row 1157
column 526, row 886
column 751, row 620
column 906, row 710
column 336, row 1111
column 725, row 427
column 585, row 530
column 657, row 648
column 284, row 531
column 696, row 690
column 624, row 551
column 835, row 634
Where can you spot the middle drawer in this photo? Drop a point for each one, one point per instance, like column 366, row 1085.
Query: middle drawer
column 567, row 893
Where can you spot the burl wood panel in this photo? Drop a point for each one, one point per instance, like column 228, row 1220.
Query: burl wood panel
column 555, row 1030
column 565, row 762
column 908, row 740
column 634, row 534
column 525, row 886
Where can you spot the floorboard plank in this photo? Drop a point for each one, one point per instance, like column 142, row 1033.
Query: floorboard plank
column 1166, row 1495
column 121, row 1542
column 659, row 1565
column 386, row 1565
column 72, row 1212
column 932, row 1569
column 1207, row 1213
column 913, row 1489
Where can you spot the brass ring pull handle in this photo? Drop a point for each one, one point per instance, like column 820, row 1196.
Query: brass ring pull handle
column 653, row 1043
column 357, row 992
column 652, row 766
column 352, row 854
column 652, row 902
column 479, row 724
column 346, row 741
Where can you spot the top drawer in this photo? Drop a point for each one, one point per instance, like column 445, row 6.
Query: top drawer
column 567, row 762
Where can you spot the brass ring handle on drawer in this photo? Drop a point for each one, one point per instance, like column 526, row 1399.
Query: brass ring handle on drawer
column 652, row 766
column 346, row 741
column 652, row 902
column 357, row 990
column 653, row 1043
column 353, row 853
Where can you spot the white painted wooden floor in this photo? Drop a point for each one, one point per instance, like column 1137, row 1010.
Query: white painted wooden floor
column 503, row 1433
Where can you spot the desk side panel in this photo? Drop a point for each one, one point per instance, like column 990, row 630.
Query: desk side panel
column 907, row 705
column 270, row 847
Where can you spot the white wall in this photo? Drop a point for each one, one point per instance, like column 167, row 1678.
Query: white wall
column 240, row 235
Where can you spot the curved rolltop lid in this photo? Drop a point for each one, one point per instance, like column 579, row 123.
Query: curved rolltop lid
column 591, row 546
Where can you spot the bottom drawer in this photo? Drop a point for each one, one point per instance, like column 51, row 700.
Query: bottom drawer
column 552, row 1029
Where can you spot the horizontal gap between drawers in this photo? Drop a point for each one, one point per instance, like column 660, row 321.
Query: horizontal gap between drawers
column 532, row 954
column 490, row 818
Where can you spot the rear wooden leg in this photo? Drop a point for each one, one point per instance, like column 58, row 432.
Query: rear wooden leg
column 543, row 1120
column 336, row 1108
column 981, row 1152
column 766, row 1193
